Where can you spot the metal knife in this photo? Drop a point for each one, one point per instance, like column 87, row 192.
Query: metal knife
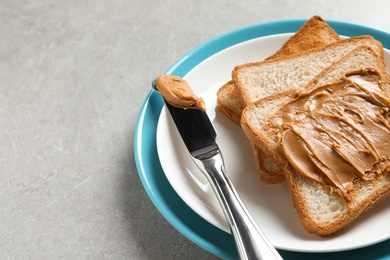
column 200, row 137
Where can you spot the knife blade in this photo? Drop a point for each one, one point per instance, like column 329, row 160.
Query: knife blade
column 200, row 138
column 195, row 129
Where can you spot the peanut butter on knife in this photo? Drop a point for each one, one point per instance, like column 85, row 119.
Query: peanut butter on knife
column 177, row 92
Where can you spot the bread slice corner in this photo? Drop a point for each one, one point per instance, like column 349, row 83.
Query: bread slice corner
column 324, row 213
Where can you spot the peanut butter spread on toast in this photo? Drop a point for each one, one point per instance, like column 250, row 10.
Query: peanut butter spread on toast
column 338, row 133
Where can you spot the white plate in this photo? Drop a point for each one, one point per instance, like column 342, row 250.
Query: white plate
column 270, row 205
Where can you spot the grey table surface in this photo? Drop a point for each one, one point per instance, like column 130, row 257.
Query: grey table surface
column 73, row 76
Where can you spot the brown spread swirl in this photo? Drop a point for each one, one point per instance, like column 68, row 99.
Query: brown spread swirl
column 178, row 93
column 338, row 133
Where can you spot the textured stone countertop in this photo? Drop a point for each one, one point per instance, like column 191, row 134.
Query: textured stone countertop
column 73, row 77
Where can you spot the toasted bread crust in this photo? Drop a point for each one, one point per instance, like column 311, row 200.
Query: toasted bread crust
column 314, row 34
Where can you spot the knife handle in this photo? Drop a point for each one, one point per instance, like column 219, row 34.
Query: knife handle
column 250, row 240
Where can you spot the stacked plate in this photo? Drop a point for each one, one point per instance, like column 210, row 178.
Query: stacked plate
column 180, row 191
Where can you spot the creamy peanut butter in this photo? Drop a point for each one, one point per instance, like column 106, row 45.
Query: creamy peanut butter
column 178, row 93
column 338, row 133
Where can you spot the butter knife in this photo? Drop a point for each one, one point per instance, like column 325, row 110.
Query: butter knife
column 199, row 136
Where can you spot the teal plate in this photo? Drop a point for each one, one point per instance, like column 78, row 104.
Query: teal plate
column 166, row 200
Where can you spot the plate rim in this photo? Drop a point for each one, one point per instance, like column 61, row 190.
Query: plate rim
column 193, row 58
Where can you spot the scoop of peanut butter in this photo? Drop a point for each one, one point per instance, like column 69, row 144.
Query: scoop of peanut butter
column 177, row 92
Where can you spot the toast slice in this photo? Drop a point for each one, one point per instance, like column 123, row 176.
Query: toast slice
column 313, row 34
column 320, row 211
column 260, row 79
